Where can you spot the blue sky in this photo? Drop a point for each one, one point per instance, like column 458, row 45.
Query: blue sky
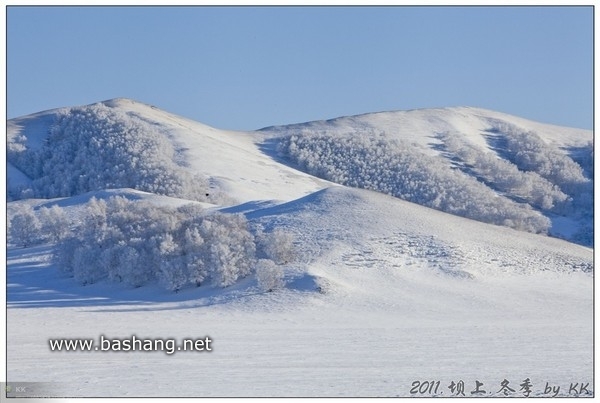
column 249, row 67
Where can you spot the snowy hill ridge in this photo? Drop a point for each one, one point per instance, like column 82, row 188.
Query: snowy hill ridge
column 471, row 162
column 398, row 234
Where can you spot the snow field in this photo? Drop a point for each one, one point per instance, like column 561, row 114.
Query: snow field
column 345, row 344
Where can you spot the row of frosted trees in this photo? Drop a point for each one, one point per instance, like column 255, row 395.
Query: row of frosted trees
column 373, row 161
column 138, row 243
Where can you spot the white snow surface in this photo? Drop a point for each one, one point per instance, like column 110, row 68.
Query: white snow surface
column 232, row 160
column 420, row 126
column 382, row 292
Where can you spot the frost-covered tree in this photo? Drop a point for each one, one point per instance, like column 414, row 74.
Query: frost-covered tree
column 25, row 227
column 64, row 253
column 278, row 246
column 230, row 247
column 183, row 258
column 120, row 262
column 268, row 275
column 529, row 152
column 87, row 264
column 110, row 241
column 54, row 223
column 584, row 156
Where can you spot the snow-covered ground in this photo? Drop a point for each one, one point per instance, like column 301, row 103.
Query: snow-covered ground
column 383, row 295
column 295, row 343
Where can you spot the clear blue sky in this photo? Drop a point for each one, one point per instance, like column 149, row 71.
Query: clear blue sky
column 249, row 67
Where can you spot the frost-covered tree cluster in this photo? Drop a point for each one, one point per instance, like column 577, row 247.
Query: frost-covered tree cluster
column 505, row 176
column 373, row 161
column 27, row 227
column 571, row 171
column 584, row 156
column 137, row 243
column 531, row 154
column 276, row 245
column 98, row 147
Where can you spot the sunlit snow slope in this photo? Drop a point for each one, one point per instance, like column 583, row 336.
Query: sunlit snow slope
column 232, row 161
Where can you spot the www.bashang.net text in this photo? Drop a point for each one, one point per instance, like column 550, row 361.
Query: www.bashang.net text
column 130, row 344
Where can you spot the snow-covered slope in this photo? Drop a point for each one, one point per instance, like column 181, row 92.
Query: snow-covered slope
column 508, row 170
column 231, row 161
column 396, row 234
column 381, row 292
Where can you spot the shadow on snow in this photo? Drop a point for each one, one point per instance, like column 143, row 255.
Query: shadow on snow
column 33, row 281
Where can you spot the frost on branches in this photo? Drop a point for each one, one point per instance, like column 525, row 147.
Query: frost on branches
column 137, row 243
column 370, row 161
column 97, row 147
column 27, row 227
column 269, row 275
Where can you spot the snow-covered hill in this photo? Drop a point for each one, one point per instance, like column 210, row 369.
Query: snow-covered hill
column 478, row 164
column 380, row 292
column 475, row 163
column 231, row 162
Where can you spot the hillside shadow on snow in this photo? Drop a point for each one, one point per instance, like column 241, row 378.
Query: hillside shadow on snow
column 270, row 147
column 33, row 282
column 210, row 296
column 250, row 206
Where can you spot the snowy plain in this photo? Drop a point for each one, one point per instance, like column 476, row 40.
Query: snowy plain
column 384, row 293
